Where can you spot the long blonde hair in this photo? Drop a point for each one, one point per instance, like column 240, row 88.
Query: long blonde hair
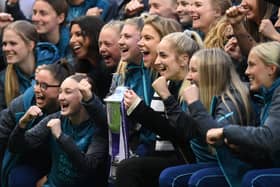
column 218, row 77
column 216, row 38
column 27, row 32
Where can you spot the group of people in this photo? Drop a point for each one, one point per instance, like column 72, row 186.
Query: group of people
column 199, row 105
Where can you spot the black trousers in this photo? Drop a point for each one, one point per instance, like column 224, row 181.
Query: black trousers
column 143, row 171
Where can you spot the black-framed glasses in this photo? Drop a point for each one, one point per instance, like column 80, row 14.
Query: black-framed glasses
column 44, row 86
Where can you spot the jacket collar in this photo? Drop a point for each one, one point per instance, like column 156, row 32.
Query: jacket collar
column 268, row 92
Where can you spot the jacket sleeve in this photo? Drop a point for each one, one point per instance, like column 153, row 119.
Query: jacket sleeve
column 97, row 154
column 95, row 157
column 222, row 116
column 183, row 123
column 22, row 139
column 8, row 119
column 96, row 110
column 7, row 124
column 265, row 137
column 2, row 91
column 153, row 121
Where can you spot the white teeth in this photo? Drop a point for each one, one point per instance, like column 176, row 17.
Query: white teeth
column 76, row 47
column 162, row 68
column 106, row 56
column 39, row 96
column 9, row 53
column 195, row 17
column 251, row 79
column 123, row 49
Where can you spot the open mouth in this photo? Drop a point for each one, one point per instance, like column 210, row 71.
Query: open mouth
column 106, row 57
column 64, row 106
column 39, row 98
column 145, row 52
column 76, row 48
column 124, row 50
column 195, row 18
column 251, row 79
column 161, row 68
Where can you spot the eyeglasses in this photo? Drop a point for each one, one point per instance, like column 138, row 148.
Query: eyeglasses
column 44, row 86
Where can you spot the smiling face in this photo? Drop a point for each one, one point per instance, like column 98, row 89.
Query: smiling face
column 79, row 43
column 150, row 38
column 193, row 75
column 130, row 51
column 15, row 49
column 70, row 98
column 167, row 62
column 108, row 47
column 183, row 11
column 203, row 15
column 46, row 99
column 45, row 18
column 253, row 10
column 259, row 74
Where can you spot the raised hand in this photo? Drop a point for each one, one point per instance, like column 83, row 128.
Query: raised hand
column 12, row 1
column 95, row 11
column 268, row 30
column 5, row 19
column 161, row 87
column 191, row 94
column 32, row 113
column 232, row 48
column 133, row 7
column 236, row 14
column 85, row 89
column 55, row 126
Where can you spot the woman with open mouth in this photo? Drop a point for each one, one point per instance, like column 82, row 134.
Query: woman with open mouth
column 85, row 31
column 155, row 28
column 26, row 169
column 173, row 53
column 76, row 135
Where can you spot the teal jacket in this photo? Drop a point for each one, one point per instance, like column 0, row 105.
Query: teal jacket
column 139, row 79
column 45, row 53
column 79, row 155
column 262, row 140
